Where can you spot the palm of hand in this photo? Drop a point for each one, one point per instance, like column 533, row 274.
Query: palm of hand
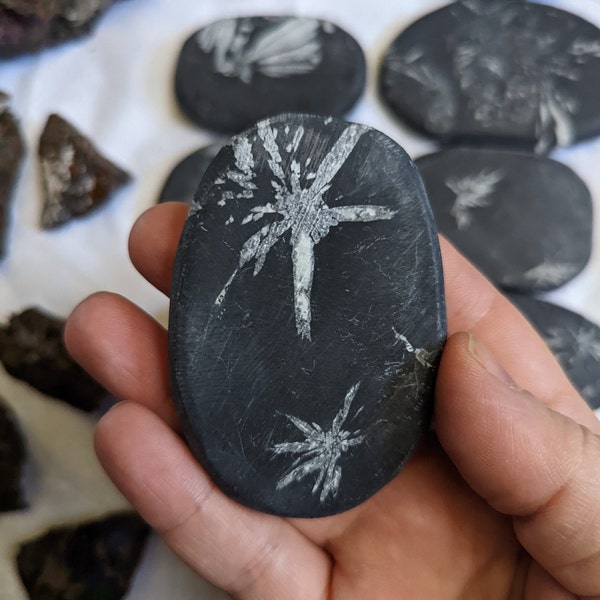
column 430, row 533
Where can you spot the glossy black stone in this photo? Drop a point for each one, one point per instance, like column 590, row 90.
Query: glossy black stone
column 32, row 349
column 574, row 340
column 307, row 315
column 12, row 460
column 30, row 25
column 76, row 178
column 182, row 183
column 94, row 561
column 524, row 220
column 503, row 73
column 12, row 150
column 234, row 72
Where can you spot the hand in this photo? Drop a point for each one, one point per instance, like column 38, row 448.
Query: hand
column 504, row 502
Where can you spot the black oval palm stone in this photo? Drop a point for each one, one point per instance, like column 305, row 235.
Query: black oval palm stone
column 513, row 73
column 307, row 315
column 524, row 220
column 234, row 72
column 574, row 340
column 182, row 183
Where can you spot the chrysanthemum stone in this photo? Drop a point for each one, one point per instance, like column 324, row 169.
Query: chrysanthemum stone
column 513, row 73
column 233, row 72
column 307, row 315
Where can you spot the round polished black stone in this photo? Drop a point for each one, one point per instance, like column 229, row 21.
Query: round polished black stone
column 573, row 339
column 307, row 315
column 234, row 72
column 184, row 179
column 512, row 73
column 524, row 220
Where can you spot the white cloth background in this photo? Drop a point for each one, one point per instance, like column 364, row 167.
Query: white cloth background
column 117, row 87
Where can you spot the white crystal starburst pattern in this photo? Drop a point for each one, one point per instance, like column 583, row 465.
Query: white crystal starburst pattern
column 320, row 451
column 472, row 191
column 285, row 47
column 550, row 273
column 585, row 342
column 298, row 205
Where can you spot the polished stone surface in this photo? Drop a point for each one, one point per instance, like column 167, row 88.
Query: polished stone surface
column 234, row 72
column 573, row 339
column 184, row 179
column 497, row 73
column 525, row 221
column 76, row 178
column 307, row 315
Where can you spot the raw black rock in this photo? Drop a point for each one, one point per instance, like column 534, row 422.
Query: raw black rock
column 30, row 25
column 76, row 178
column 234, row 72
column 524, row 220
column 574, row 340
column 32, row 349
column 307, row 315
column 92, row 561
column 511, row 73
column 184, row 180
column 12, row 149
column 12, row 460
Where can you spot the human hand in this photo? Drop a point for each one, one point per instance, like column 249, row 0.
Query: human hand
column 502, row 501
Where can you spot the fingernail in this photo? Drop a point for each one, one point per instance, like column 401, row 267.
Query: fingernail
column 489, row 362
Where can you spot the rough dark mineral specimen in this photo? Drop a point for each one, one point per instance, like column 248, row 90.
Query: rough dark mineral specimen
column 11, row 154
column 12, row 459
column 30, row 25
column 93, row 561
column 32, row 349
column 75, row 176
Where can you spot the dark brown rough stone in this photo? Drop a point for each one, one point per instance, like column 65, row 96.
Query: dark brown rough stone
column 31, row 25
column 12, row 150
column 76, row 178
column 12, row 460
column 92, row 561
column 32, row 349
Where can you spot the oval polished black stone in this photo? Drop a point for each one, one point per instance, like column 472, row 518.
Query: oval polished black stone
column 524, row 220
column 573, row 339
column 512, row 73
column 234, row 72
column 307, row 315
column 184, row 179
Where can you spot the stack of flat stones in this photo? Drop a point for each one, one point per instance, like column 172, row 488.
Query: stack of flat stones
column 499, row 84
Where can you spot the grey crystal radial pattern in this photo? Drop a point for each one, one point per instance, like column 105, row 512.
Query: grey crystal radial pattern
column 512, row 73
column 307, row 315
column 235, row 71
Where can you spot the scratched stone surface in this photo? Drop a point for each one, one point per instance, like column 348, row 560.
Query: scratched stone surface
column 184, row 179
column 94, row 560
column 526, row 221
column 574, row 341
column 30, row 25
column 12, row 149
column 234, row 72
column 76, row 178
column 13, row 454
column 307, row 315
column 32, row 349
column 504, row 73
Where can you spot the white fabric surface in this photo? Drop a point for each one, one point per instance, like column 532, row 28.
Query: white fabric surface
column 117, row 87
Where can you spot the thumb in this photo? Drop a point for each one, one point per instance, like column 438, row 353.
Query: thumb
column 526, row 460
